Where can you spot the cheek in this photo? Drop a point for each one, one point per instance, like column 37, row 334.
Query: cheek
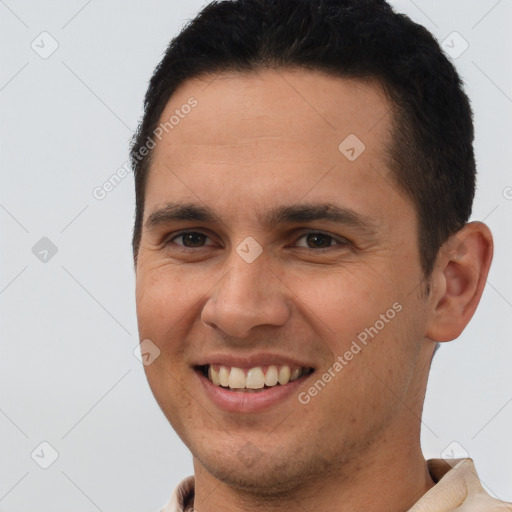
column 341, row 301
column 165, row 297
column 368, row 323
column 162, row 304
column 170, row 390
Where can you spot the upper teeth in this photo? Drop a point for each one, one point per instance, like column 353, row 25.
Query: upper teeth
column 253, row 378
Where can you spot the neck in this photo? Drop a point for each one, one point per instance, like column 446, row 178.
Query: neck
column 388, row 480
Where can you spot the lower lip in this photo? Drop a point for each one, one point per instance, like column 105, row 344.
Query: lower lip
column 240, row 401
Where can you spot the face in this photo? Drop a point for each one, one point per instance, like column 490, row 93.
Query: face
column 275, row 246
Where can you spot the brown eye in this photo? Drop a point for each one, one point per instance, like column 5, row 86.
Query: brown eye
column 190, row 239
column 318, row 240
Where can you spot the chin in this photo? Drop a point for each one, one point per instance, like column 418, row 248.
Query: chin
column 266, row 475
column 263, row 480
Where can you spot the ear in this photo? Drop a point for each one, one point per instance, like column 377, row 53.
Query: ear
column 458, row 281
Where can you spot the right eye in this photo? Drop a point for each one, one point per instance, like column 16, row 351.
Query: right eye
column 189, row 239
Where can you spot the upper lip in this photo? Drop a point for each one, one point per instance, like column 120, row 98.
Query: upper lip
column 251, row 361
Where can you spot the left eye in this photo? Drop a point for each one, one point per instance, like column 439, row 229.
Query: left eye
column 320, row 240
column 195, row 239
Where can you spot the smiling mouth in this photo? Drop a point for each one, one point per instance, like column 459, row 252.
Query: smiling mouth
column 252, row 380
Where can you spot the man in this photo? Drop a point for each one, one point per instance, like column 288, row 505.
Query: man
column 304, row 179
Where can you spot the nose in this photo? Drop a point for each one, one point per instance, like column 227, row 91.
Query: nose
column 248, row 295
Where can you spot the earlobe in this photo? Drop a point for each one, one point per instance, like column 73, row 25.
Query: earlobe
column 459, row 276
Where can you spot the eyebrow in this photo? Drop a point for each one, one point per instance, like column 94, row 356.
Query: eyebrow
column 295, row 213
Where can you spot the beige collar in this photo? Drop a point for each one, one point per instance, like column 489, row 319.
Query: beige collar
column 457, row 488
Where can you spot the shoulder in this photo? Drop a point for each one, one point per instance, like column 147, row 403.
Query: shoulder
column 457, row 487
column 182, row 496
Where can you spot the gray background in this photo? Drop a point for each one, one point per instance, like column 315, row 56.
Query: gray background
column 68, row 375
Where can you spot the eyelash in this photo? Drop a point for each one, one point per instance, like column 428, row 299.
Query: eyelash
column 340, row 240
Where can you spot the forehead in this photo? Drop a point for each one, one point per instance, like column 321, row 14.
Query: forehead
column 256, row 136
column 236, row 108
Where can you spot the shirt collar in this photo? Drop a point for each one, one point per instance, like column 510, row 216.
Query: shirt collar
column 457, row 485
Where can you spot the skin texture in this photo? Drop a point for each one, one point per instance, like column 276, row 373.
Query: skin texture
column 256, row 141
